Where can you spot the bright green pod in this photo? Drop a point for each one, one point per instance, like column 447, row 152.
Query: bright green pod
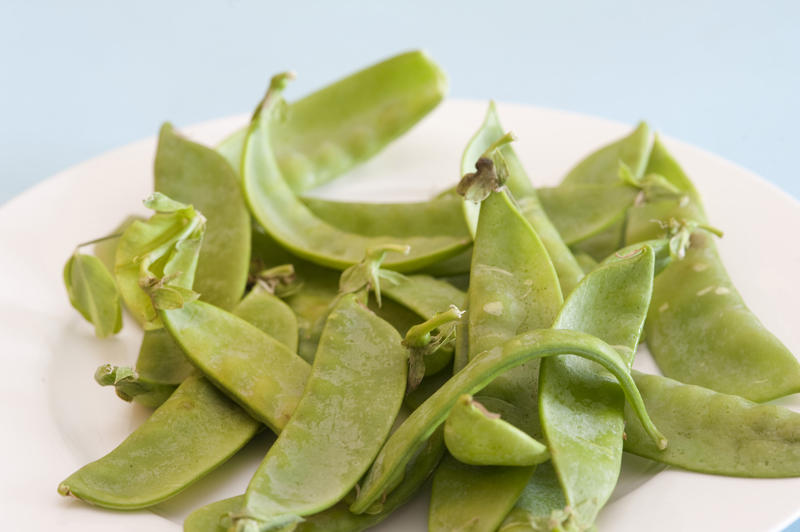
column 194, row 431
column 354, row 391
column 437, row 217
column 699, row 328
column 513, row 289
column 583, row 211
column 199, row 176
column 476, row 436
column 715, row 433
column 569, row 273
column 296, row 228
column 257, row 371
column 580, row 409
column 339, row 126
column 93, row 292
column 412, row 434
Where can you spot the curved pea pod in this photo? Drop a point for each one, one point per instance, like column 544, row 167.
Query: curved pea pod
column 476, row 436
column 699, row 328
column 339, row 126
column 513, row 289
column 93, row 292
column 162, row 456
column 295, row 227
column 437, row 217
column 257, row 371
column 424, row 294
column 715, row 433
column 602, row 166
column 196, row 175
column 354, row 391
column 270, row 314
column 338, row 518
column 490, row 131
column 395, row 454
column 580, row 409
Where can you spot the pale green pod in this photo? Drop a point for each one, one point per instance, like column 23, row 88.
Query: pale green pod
column 476, row 436
column 93, row 292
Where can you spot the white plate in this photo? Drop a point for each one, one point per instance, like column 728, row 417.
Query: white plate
column 55, row 418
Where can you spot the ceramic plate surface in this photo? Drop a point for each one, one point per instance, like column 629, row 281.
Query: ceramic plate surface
column 54, row 417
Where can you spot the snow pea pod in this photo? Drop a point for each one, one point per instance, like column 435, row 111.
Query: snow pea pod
column 339, row 126
column 351, row 399
column 337, row 518
column 715, row 433
column 569, row 273
column 601, row 167
column 412, row 434
column 194, row 431
column 581, row 410
column 699, row 329
column 476, row 436
column 257, row 371
column 513, row 289
column 199, row 176
column 402, row 220
column 290, row 222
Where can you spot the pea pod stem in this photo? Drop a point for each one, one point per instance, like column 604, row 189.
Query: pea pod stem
column 405, row 441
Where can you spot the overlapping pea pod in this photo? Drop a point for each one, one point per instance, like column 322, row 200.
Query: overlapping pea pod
column 489, row 133
column 331, row 130
column 162, row 456
column 213, row 517
column 699, row 329
column 513, row 289
column 715, row 433
column 601, row 169
column 290, row 222
column 581, row 411
column 351, row 399
column 395, row 454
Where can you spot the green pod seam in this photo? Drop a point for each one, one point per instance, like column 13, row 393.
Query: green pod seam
column 389, row 465
column 354, row 392
column 295, row 227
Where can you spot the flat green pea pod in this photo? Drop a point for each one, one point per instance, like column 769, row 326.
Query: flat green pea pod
column 162, row 456
column 295, row 227
column 93, row 292
column 476, row 436
column 401, row 446
column 699, row 329
column 438, row 217
column 257, row 371
column 513, row 289
column 715, row 433
column 199, row 176
column 355, row 388
column 487, row 136
column 332, row 130
column 581, row 410
column 338, row 518
column 602, row 168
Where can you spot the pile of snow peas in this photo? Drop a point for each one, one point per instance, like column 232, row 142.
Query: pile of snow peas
column 482, row 340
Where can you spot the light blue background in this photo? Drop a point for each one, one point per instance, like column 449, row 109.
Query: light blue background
column 79, row 77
